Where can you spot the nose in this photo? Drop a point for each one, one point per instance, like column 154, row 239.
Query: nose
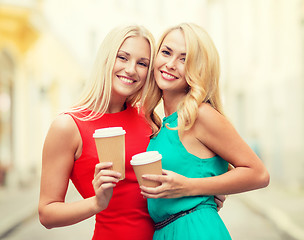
column 130, row 68
column 171, row 64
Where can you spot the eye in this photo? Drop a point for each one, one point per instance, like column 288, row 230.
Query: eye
column 183, row 59
column 165, row 52
column 143, row 64
column 122, row 58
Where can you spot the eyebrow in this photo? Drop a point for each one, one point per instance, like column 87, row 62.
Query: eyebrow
column 170, row 49
column 128, row 54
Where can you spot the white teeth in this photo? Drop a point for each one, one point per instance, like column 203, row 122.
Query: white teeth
column 126, row 80
column 165, row 75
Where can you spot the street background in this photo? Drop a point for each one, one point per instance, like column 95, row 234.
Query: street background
column 47, row 49
column 247, row 216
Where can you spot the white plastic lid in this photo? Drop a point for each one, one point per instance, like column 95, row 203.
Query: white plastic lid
column 108, row 132
column 145, row 158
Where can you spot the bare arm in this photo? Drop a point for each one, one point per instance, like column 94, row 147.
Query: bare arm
column 217, row 134
column 61, row 144
column 220, row 136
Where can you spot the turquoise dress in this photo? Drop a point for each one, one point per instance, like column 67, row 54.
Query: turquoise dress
column 205, row 222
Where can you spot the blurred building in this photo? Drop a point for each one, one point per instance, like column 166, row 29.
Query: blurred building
column 35, row 71
column 47, row 48
column 264, row 88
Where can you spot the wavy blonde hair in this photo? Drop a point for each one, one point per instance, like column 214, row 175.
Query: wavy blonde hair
column 202, row 72
column 97, row 93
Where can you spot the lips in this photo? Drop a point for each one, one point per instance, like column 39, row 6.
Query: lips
column 168, row 76
column 126, row 80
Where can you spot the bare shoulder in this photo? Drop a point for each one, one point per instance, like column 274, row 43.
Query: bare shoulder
column 209, row 116
column 64, row 124
column 63, row 121
column 205, row 108
column 209, row 122
column 63, row 129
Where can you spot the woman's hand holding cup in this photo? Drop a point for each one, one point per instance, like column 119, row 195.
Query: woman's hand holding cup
column 104, row 181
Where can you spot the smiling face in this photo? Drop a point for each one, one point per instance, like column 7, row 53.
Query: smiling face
column 131, row 67
column 169, row 67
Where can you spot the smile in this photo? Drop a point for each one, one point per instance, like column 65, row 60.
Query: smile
column 168, row 76
column 126, row 80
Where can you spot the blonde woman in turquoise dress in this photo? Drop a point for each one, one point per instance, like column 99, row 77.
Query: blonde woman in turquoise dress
column 196, row 141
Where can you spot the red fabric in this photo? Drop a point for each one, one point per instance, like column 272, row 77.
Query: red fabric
column 126, row 216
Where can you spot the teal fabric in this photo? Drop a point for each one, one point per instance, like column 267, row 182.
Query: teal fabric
column 205, row 223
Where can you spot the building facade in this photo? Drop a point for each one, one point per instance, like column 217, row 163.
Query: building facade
column 46, row 53
column 35, row 72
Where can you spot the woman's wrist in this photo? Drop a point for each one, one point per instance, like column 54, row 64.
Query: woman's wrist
column 95, row 206
column 190, row 187
column 194, row 187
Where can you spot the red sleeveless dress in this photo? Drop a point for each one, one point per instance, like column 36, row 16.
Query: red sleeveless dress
column 127, row 216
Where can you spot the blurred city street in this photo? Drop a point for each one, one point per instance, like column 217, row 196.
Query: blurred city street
column 47, row 50
column 250, row 216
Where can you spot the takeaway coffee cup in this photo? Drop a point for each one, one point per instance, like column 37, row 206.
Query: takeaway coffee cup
column 147, row 163
column 110, row 145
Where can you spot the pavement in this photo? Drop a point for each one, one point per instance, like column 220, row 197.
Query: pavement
column 17, row 204
column 283, row 208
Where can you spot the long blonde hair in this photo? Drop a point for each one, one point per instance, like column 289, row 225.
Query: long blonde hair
column 97, row 93
column 202, row 72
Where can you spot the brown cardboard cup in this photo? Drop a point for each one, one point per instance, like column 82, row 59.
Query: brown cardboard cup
column 110, row 145
column 147, row 163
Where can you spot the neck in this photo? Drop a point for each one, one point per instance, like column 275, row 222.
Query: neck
column 171, row 102
column 116, row 107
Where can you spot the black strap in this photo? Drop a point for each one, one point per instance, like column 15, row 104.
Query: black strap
column 172, row 218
